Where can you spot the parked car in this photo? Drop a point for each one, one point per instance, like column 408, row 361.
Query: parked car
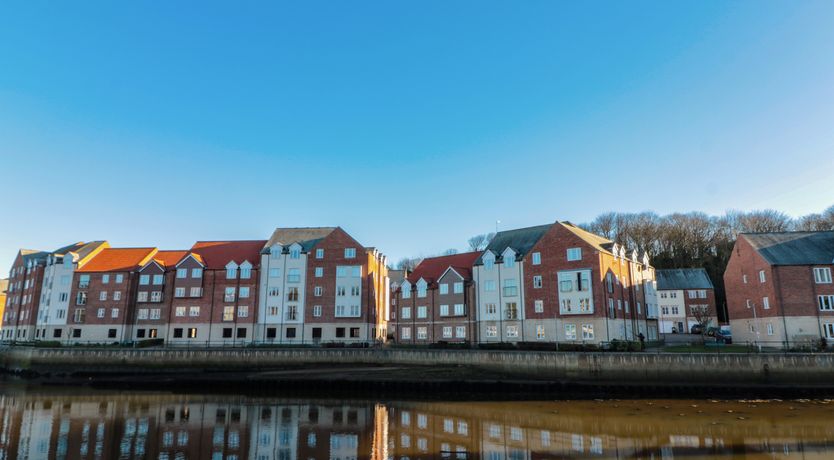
column 696, row 329
column 720, row 335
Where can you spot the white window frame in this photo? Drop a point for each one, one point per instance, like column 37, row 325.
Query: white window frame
column 574, row 254
column 822, row 275
column 537, row 258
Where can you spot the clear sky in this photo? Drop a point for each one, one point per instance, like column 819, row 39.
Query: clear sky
column 412, row 124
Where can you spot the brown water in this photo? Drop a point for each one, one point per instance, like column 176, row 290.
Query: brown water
column 61, row 423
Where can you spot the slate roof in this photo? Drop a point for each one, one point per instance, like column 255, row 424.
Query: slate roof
column 396, row 276
column 794, row 248
column 307, row 237
column 598, row 242
column 432, row 268
column 216, row 254
column 117, row 259
column 82, row 249
column 521, row 240
column 683, row 278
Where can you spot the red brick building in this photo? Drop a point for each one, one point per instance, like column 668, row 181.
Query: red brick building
column 319, row 284
column 23, row 294
column 779, row 288
column 684, row 294
column 154, row 296
column 103, row 295
column 216, row 293
column 560, row 283
column 435, row 302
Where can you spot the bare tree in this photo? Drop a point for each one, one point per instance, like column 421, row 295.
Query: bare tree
column 408, row 263
column 703, row 316
column 767, row 220
column 480, row 242
column 450, row 252
column 817, row 222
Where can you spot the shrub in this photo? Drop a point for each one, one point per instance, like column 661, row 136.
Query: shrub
column 47, row 344
column 149, row 343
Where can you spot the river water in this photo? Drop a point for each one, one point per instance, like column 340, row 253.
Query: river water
column 80, row 423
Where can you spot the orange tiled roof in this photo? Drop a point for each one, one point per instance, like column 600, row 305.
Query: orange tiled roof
column 117, row 259
column 216, row 254
column 169, row 258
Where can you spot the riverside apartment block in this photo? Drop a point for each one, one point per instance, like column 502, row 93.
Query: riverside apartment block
column 304, row 284
column 779, row 288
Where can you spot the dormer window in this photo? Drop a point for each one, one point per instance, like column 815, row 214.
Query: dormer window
column 421, row 288
column 231, row 271
column 295, row 252
column 489, row 260
column 245, row 270
column 275, row 252
column 509, row 261
column 406, row 290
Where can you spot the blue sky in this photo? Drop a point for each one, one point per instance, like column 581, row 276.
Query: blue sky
column 413, row 125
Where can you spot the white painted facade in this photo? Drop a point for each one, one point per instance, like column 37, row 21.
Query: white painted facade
column 282, row 295
column 672, row 312
column 500, row 298
column 55, row 293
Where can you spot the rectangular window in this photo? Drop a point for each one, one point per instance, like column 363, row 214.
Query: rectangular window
column 587, row 332
column 102, row 295
column 293, row 275
column 228, row 313
column 105, row 279
column 319, row 272
column 447, row 332
column 539, row 306
column 537, row 282
column 196, row 292
column 179, row 312
column 826, row 302
column 295, row 253
column 156, row 313
column 540, row 332
column 460, row 332
column 769, row 329
column 405, row 312
column 179, row 292
column 244, row 292
column 444, row 310
column 509, row 261
column 510, row 287
column 765, row 303
column 157, row 279
column 245, row 273
column 100, row 313
column 229, row 295
column 511, row 310
column 492, row 331
column 828, row 328
column 81, row 298
column 761, row 276
column 192, row 332
column 574, row 254
column 422, row 312
column 243, row 311
column 317, row 291
column 570, row 331
column 144, row 280
column 458, row 288
column 182, row 272
column 512, row 331
column 458, row 309
column 405, row 333
column 231, row 273
column 422, row 333
column 317, row 310
column 114, row 313
column 444, row 288
column 156, row 296
column 178, row 333
column 350, row 253
column 274, row 272
column 194, row 311
column 142, row 313
column 537, row 258
column 692, row 294
column 319, row 253
column 489, row 285
column 142, row 296
column 292, row 294
column 822, row 275
column 78, row 316
column 491, row 309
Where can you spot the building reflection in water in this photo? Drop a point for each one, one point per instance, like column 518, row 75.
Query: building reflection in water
column 147, row 426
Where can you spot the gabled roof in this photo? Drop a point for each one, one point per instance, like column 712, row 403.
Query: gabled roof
column 169, row 258
column 794, row 248
column 521, row 240
column 432, row 268
column 683, row 278
column 307, row 237
column 396, row 276
column 598, row 242
column 81, row 249
column 216, row 254
column 32, row 254
column 118, row 259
